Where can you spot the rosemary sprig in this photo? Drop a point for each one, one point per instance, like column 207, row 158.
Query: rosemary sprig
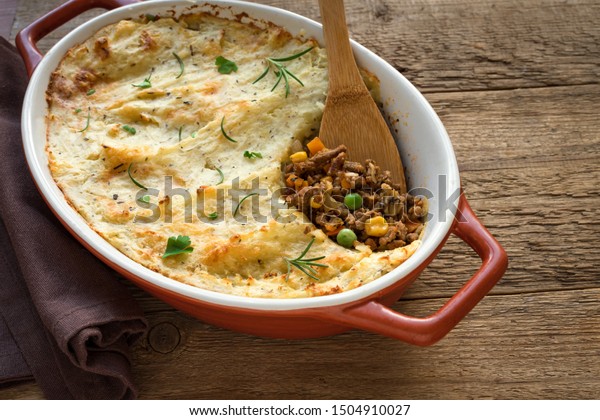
column 222, row 176
column 181, row 65
column 133, row 179
column 237, row 208
column 87, row 123
column 305, row 264
column 281, row 71
column 224, row 133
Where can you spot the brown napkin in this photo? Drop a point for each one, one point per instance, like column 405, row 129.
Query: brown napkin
column 64, row 317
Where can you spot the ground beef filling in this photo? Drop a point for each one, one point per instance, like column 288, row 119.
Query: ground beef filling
column 385, row 219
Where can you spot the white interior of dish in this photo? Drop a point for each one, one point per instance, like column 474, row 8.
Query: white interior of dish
column 425, row 147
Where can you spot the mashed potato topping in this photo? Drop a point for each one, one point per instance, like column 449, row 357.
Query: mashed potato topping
column 158, row 129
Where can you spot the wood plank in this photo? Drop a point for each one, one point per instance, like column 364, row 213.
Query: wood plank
column 547, row 221
column 8, row 10
column 523, row 127
column 505, row 337
column 480, row 45
column 523, row 346
column 448, row 45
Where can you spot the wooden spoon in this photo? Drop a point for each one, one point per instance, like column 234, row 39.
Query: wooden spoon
column 351, row 116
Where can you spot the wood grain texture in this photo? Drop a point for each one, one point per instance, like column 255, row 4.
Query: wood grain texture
column 516, row 86
column 8, row 10
column 528, row 345
column 442, row 45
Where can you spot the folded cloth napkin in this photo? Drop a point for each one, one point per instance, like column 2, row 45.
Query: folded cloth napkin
column 65, row 319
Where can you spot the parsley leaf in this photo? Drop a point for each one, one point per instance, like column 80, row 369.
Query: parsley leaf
column 146, row 83
column 144, row 199
column 129, row 129
column 213, row 216
column 252, row 155
column 225, row 66
column 178, row 245
column 91, row 92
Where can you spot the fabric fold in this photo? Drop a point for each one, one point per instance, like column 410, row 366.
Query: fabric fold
column 66, row 319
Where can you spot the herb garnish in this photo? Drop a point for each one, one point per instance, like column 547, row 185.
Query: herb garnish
column 221, row 175
column 146, row 83
column 281, row 71
column 178, row 245
column 87, row 123
column 133, row 179
column 252, row 155
column 224, row 133
column 78, row 110
column 237, row 208
column 150, row 17
column 181, row 66
column 305, row 264
column 144, row 199
column 91, row 92
column 180, row 128
column 225, row 66
column 213, row 216
column 129, row 129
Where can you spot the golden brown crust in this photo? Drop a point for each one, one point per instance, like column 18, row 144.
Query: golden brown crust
column 101, row 124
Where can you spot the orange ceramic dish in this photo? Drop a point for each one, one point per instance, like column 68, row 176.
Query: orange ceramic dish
column 431, row 165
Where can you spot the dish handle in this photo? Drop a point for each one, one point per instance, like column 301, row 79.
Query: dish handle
column 28, row 37
column 376, row 317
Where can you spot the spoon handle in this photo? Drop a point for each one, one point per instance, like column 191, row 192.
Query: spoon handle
column 343, row 72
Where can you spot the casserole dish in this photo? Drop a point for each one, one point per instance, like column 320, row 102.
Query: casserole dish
column 430, row 165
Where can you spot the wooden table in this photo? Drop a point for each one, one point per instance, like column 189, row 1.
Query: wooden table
column 517, row 85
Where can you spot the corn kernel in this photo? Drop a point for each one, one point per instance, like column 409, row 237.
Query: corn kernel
column 314, row 203
column 299, row 157
column 298, row 183
column 376, row 226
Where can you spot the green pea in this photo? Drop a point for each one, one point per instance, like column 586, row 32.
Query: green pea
column 346, row 238
column 353, row 201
